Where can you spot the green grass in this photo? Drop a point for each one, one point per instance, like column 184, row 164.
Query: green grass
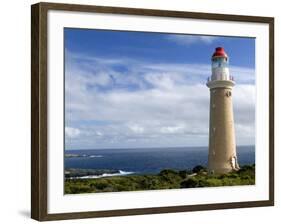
column 166, row 179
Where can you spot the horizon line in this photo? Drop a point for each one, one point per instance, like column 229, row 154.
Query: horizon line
column 148, row 147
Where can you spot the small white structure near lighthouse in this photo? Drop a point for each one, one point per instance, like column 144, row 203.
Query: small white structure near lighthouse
column 222, row 147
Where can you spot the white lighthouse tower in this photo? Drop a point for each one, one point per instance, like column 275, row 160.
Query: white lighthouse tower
column 222, row 147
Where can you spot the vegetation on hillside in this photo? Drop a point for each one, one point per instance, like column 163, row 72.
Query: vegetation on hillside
column 166, row 179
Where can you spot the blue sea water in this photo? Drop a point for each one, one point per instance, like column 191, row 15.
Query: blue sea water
column 149, row 160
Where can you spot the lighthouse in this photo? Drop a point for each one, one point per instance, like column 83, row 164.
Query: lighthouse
column 222, row 147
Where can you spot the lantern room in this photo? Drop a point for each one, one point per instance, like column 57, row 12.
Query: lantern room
column 219, row 58
column 220, row 69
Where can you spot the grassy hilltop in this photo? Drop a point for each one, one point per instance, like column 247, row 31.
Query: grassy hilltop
column 166, row 179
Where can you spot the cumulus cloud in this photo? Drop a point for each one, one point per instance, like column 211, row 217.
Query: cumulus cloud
column 136, row 128
column 146, row 104
column 72, row 132
column 191, row 39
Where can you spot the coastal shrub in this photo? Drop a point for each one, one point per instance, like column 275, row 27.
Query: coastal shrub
column 198, row 169
column 100, row 185
column 168, row 172
column 170, row 179
column 109, row 189
column 120, row 187
column 189, row 183
column 184, row 173
column 170, row 176
column 246, row 177
column 150, row 183
column 231, row 175
column 79, row 189
column 213, row 182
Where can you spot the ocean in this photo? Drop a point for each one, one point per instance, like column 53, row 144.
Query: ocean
column 147, row 160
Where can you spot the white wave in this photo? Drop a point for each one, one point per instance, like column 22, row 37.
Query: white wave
column 125, row 172
column 120, row 173
column 95, row 156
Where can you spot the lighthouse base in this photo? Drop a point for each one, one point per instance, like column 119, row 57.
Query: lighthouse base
column 222, row 167
column 222, row 170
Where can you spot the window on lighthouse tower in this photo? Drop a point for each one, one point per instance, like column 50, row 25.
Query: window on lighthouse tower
column 219, row 62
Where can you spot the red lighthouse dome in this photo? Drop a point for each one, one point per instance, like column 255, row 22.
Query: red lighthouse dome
column 219, row 53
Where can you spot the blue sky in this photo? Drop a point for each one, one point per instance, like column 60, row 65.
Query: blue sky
column 137, row 89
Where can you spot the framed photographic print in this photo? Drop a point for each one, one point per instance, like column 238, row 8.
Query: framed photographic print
column 140, row 111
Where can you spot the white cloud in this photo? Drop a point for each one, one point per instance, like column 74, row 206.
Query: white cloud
column 160, row 80
column 148, row 105
column 98, row 133
column 136, row 128
column 191, row 39
column 72, row 132
column 172, row 129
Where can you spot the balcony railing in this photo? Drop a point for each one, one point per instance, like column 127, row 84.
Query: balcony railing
column 230, row 78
